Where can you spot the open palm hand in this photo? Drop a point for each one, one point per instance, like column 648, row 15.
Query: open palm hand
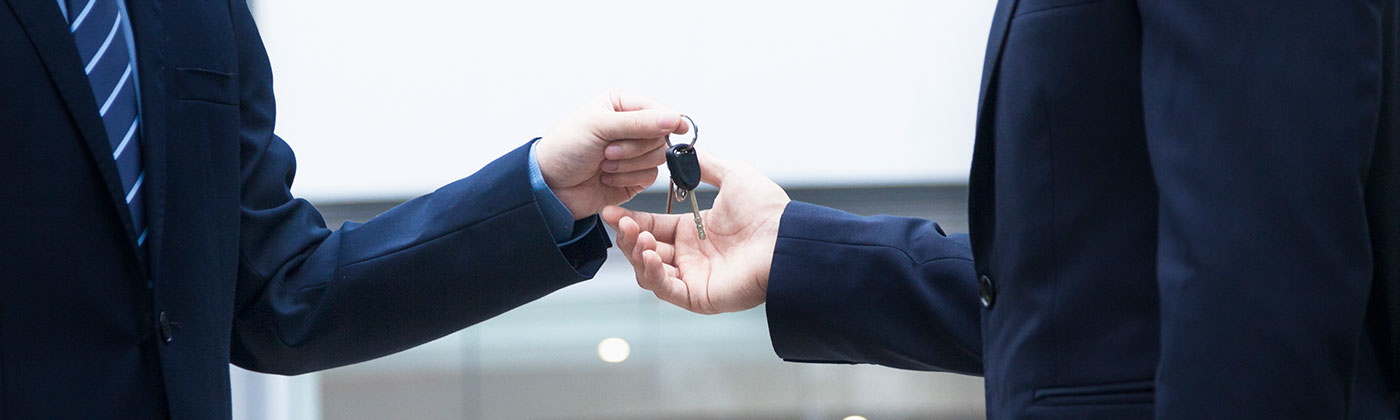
column 726, row 272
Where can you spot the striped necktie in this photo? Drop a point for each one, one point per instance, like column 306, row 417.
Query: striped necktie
column 97, row 28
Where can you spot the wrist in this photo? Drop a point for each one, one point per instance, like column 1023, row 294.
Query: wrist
column 557, row 215
column 545, row 161
column 773, row 226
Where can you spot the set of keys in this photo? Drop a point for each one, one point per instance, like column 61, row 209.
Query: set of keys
column 684, row 165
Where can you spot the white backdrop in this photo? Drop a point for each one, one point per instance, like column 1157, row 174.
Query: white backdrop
column 390, row 99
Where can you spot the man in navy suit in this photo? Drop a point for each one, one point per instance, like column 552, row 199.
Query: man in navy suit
column 1180, row 209
column 148, row 236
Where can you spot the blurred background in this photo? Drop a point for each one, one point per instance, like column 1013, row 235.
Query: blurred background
column 864, row 106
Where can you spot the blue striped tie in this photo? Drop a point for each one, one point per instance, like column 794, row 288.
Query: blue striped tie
column 97, row 27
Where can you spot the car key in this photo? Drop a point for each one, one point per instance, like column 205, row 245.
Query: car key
column 684, row 164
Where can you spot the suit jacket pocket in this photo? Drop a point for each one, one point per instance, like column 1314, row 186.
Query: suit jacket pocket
column 206, row 85
column 1032, row 6
column 1135, row 392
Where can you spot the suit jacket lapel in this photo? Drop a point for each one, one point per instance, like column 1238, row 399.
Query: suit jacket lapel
column 981, row 200
column 48, row 30
column 147, row 28
column 1000, row 26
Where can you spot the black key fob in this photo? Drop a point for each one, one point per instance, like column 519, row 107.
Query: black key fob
column 684, row 165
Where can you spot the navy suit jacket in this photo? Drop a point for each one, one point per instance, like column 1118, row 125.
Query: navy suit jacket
column 238, row 270
column 1186, row 209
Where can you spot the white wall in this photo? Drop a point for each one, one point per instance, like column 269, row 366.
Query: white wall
column 390, row 99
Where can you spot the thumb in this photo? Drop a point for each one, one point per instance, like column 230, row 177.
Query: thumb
column 641, row 124
column 714, row 169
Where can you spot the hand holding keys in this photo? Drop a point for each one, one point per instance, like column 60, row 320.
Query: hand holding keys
column 728, row 270
column 684, row 164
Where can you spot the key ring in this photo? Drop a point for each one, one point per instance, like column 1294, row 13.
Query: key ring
column 694, row 131
column 673, row 193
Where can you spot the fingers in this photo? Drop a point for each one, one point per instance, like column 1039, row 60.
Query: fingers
column 653, row 274
column 612, row 215
column 652, row 261
column 640, row 178
column 625, row 102
column 627, row 243
column 649, row 159
column 652, row 268
column 635, row 148
column 666, row 287
column 645, row 241
column 631, row 239
column 643, row 124
column 629, row 233
column 662, row 226
column 626, row 236
column 642, row 243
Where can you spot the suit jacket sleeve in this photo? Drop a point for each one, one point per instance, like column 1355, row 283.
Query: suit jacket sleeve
column 887, row 290
column 1261, row 122
column 309, row 298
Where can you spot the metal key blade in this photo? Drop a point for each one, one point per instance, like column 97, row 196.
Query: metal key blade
column 695, row 208
column 670, row 197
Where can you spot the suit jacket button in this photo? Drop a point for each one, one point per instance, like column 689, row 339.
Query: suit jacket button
column 165, row 327
column 988, row 290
